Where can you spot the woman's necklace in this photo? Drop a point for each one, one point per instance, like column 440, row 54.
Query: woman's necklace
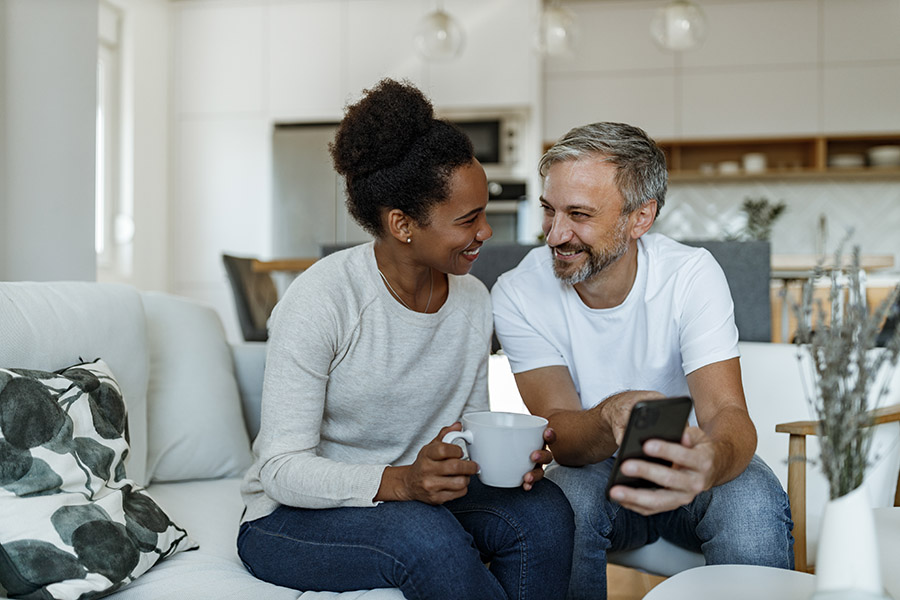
column 396, row 295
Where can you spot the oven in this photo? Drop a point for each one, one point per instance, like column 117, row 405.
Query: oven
column 506, row 199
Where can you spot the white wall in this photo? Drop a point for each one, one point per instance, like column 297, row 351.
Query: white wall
column 48, row 108
column 3, row 144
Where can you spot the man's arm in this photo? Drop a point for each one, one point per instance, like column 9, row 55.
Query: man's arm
column 583, row 436
column 721, row 411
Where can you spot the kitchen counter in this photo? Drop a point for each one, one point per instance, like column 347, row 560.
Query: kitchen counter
column 799, row 266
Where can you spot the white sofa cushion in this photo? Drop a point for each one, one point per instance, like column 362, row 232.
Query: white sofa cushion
column 72, row 524
column 196, row 429
column 49, row 326
column 211, row 511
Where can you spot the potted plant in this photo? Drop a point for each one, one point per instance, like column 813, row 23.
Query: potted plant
column 845, row 376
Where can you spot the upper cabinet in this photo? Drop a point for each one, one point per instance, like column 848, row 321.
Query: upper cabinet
column 374, row 50
column 497, row 66
column 320, row 54
column 219, row 59
column 305, row 54
column 768, row 69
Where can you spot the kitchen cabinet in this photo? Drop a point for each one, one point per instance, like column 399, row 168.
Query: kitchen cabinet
column 748, row 102
column 219, row 52
column 796, row 157
column 304, row 61
column 374, row 51
column 625, row 97
column 498, row 66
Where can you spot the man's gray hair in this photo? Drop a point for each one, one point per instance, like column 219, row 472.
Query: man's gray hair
column 641, row 173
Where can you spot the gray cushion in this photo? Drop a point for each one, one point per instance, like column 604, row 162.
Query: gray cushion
column 196, row 429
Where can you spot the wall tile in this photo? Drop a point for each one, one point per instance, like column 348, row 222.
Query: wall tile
column 868, row 207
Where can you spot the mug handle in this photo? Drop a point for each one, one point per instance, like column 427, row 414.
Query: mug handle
column 466, row 436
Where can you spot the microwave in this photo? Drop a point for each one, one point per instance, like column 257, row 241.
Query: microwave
column 496, row 140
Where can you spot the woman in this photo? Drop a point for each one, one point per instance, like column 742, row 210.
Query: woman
column 374, row 354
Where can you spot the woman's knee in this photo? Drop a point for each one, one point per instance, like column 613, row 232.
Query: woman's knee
column 555, row 515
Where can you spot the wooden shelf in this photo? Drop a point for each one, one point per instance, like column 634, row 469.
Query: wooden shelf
column 786, row 158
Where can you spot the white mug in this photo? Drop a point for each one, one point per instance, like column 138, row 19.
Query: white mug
column 501, row 443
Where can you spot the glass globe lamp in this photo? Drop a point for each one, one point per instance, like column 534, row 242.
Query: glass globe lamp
column 679, row 25
column 556, row 32
column 439, row 36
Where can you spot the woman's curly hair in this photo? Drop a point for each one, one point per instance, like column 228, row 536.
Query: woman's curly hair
column 393, row 153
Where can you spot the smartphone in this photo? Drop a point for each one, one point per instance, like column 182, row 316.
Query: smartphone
column 663, row 419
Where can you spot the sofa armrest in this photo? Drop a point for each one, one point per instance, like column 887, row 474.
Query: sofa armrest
column 249, row 367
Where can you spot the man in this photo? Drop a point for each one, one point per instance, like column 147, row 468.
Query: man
column 611, row 315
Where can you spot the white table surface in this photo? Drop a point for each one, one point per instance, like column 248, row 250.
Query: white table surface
column 747, row 582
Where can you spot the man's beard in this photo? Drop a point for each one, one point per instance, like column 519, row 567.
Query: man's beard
column 597, row 260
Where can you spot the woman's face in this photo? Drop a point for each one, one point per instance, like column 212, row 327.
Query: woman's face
column 458, row 226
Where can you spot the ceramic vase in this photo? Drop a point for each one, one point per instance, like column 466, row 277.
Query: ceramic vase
column 847, row 561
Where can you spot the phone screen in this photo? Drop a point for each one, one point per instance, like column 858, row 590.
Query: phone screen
column 650, row 419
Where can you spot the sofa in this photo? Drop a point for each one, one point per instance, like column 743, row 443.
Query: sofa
column 193, row 405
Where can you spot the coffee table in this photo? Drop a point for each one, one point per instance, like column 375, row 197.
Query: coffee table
column 740, row 582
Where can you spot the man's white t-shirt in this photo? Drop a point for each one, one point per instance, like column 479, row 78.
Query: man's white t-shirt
column 678, row 317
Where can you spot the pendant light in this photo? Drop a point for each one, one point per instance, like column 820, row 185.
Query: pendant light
column 439, row 36
column 679, row 25
column 556, row 31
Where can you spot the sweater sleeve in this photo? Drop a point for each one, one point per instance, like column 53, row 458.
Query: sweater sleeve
column 306, row 333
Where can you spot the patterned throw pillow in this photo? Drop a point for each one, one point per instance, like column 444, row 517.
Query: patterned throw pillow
column 72, row 526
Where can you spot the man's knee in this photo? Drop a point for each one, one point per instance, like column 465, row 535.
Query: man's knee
column 748, row 520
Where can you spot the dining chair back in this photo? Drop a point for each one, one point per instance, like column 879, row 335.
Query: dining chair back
column 255, row 295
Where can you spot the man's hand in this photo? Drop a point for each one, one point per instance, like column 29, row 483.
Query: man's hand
column 615, row 411
column 692, row 472
column 539, row 458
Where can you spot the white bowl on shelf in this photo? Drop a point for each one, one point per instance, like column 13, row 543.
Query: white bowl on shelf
column 884, row 156
column 729, row 167
column 847, row 161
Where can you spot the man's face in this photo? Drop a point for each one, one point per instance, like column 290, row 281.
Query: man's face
column 583, row 221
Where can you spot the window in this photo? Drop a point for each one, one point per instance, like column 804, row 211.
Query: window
column 108, row 201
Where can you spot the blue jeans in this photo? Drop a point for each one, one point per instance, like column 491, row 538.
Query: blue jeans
column 744, row 521
column 429, row 552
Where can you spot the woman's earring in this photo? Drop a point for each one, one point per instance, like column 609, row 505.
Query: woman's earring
column 409, row 240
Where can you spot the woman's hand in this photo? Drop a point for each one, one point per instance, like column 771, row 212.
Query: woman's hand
column 439, row 474
column 540, row 458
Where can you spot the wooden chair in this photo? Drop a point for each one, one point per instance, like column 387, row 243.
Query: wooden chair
column 255, row 292
column 796, row 486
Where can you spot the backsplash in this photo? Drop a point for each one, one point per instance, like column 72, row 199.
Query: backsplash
column 712, row 210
